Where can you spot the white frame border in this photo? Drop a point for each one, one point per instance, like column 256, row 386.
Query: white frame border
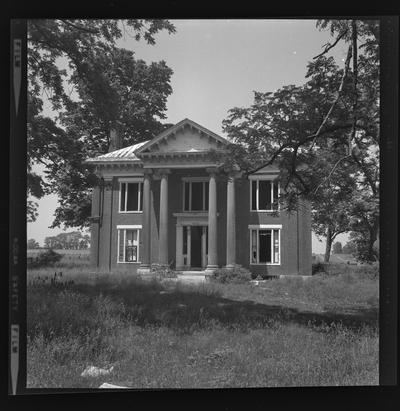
column 195, row 180
column 138, row 228
column 257, row 227
column 130, row 180
column 266, row 178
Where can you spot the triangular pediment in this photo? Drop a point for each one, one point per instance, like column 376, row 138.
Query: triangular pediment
column 268, row 169
column 184, row 137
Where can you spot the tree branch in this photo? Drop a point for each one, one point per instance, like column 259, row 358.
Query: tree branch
column 364, row 168
column 330, row 46
column 346, row 69
column 330, row 173
column 91, row 31
column 355, row 74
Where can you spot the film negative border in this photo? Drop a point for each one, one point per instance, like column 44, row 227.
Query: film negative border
column 17, row 216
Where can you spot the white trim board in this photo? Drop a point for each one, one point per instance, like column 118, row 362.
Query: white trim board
column 196, row 179
column 263, row 177
column 136, row 179
column 129, row 227
column 261, row 226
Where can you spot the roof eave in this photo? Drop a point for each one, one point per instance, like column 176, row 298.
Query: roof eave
column 112, row 161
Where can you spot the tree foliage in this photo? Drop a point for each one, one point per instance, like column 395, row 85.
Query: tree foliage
column 323, row 135
column 32, row 244
column 68, row 241
column 337, row 248
column 349, row 248
column 91, row 86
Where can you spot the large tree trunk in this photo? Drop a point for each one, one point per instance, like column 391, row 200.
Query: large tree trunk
column 373, row 235
column 328, row 247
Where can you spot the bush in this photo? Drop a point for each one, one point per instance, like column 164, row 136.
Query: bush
column 47, row 258
column 161, row 271
column 237, row 275
column 319, row 268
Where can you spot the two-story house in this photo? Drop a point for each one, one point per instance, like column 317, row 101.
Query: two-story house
column 165, row 201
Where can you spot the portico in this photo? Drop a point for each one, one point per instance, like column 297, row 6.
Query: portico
column 196, row 231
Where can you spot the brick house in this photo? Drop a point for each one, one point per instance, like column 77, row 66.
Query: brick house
column 165, row 201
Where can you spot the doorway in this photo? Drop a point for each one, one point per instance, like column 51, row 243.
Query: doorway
column 195, row 246
column 195, row 249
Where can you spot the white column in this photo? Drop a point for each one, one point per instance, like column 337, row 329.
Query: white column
column 189, row 246
column 230, row 223
column 146, row 233
column 179, row 247
column 204, row 247
column 163, row 233
column 212, row 222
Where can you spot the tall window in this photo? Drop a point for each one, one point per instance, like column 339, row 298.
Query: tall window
column 195, row 195
column 128, row 245
column 265, row 246
column 264, row 195
column 130, row 197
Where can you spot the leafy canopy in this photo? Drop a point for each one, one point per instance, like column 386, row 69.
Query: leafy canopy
column 323, row 135
column 91, row 86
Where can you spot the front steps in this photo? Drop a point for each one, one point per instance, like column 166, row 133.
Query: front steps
column 192, row 276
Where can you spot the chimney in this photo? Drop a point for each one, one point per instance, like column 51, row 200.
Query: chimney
column 115, row 139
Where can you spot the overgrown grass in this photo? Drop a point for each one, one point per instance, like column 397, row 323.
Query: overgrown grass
column 290, row 332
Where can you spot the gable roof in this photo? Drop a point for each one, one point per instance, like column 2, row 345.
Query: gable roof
column 131, row 154
column 122, row 155
column 172, row 130
column 265, row 168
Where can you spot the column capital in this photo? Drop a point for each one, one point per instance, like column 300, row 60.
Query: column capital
column 233, row 175
column 147, row 171
column 161, row 172
column 108, row 183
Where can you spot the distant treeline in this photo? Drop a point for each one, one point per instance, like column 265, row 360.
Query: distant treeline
column 64, row 241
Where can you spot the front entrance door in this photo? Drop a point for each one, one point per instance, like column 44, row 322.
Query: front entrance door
column 195, row 247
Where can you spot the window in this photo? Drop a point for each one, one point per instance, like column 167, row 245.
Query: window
column 264, row 195
column 195, row 195
column 128, row 244
column 265, row 245
column 130, row 197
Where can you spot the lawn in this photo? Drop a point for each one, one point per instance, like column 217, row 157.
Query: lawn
column 283, row 332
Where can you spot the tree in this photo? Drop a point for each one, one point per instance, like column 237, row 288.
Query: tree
column 365, row 226
column 337, row 248
column 73, row 240
column 102, row 88
column 349, row 248
column 32, row 244
column 52, row 242
column 329, row 220
column 324, row 135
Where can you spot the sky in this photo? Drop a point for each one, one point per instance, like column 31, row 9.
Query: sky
column 217, row 65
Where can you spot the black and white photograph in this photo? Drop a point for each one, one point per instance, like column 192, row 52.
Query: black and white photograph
column 203, row 203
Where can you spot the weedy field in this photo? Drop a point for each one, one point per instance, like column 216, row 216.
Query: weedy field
column 321, row 331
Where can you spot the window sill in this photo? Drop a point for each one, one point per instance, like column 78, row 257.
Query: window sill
column 264, row 211
column 130, row 212
column 128, row 262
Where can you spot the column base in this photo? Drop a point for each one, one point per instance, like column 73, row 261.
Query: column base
column 210, row 269
column 230, row 266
